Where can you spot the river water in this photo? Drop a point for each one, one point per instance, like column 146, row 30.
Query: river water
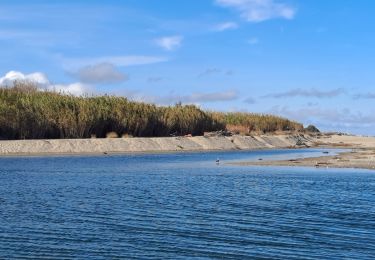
column 182, row 206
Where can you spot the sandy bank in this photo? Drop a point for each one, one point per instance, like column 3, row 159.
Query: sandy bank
column 349, row 141
column 162, row 144
column 362, row 159
column 362, row 156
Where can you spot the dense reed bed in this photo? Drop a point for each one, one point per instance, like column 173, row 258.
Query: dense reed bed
column 27, row 113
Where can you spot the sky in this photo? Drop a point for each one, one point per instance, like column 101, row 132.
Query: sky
column 308, row 60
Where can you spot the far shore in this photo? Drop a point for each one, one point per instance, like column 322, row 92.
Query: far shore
column 362, row 154
column 358, row 158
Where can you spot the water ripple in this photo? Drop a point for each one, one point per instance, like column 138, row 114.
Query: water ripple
column 177, row 207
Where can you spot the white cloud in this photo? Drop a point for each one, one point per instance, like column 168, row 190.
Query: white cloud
column 77, row 89
column 100, row 73
column 37, row 78
column 42, row 82
column 259, row 10
column 169, row 43
column 226, row 26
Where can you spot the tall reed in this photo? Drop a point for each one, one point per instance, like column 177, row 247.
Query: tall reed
column 27, row 113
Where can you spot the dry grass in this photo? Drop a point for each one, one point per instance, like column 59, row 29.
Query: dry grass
column 247, row 123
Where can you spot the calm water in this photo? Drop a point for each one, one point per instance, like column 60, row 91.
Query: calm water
column 183, row 206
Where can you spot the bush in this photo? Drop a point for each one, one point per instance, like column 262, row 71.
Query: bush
column 312, row 129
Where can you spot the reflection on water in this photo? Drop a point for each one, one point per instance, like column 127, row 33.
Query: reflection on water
column 183, row 206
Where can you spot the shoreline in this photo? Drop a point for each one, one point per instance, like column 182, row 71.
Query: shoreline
column 361, row 156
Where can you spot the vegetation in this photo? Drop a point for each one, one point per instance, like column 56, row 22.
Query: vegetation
column 247, row 123
column 26, row 113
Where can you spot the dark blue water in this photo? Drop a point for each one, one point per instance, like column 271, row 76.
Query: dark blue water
column 177, row 206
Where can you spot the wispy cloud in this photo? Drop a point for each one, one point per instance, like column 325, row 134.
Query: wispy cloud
column 208, row 72
column 249, row 100
column 15, row 34
column 225, row 26
column 154, row 79
column 253, row 41
column 368, row 95
column 169, row 43
column 101, row 73
column 40, row 38
column 196, row 98
column 329, row 117
column 212, row 71
column 121, row 61
column 259, row 10
column 315, row 93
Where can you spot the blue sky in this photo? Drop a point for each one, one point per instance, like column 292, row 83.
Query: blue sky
column 311, row 60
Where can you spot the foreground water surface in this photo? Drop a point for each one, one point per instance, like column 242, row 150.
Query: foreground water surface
column 183, row 206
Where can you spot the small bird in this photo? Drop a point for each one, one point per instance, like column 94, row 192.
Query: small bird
column 217, row 161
